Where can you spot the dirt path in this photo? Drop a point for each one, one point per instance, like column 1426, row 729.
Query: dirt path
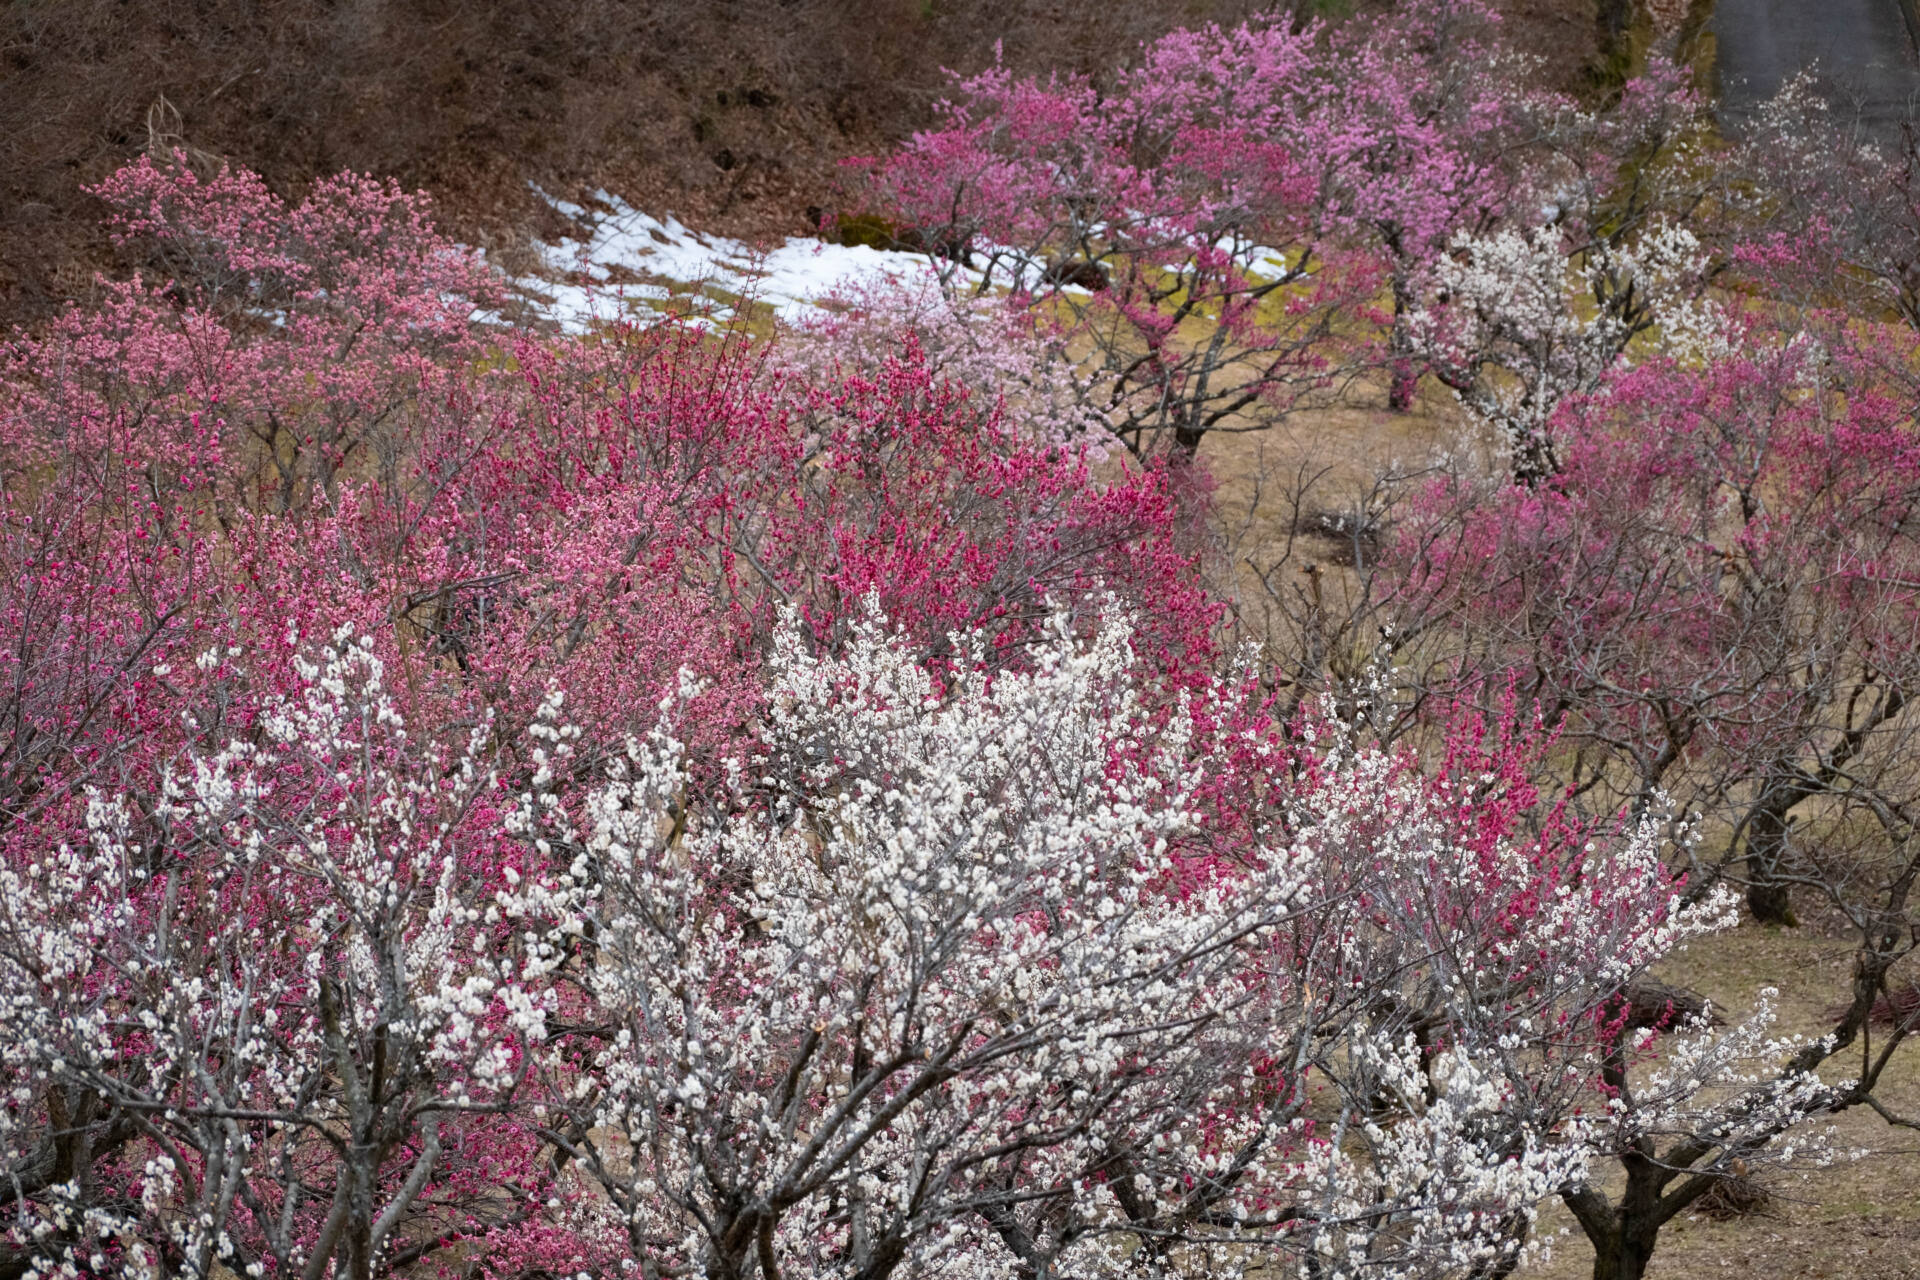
column 1861, row 49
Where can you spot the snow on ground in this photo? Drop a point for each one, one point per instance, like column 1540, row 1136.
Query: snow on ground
column 626, row 262
column 623, row 244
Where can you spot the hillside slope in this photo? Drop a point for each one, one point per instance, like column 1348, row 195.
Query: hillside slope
column 731, row 113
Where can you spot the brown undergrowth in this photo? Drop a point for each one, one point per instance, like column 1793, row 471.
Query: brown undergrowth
column 733, row 114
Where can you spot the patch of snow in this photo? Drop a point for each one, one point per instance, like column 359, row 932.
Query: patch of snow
column 625, row 243
column 626, row 262
column 1259, row 261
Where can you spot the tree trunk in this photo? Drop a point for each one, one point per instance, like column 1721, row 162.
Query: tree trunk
column 1622, row 1258
column 360, row 1218
column 1767, row 893
column 1535, row 461
column 1401, row 366
column 1771, row 904
column 1623, row 1234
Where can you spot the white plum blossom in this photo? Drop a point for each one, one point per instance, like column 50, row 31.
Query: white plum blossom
column 958, row 975
column 1518, row 321
column 296, row 1003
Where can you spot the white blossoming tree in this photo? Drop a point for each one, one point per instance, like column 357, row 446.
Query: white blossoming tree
column 976, row 970
column 953, row 982
column 1521, row 318
column 1498, row 976
column 917, row 1005
column 244, row 1031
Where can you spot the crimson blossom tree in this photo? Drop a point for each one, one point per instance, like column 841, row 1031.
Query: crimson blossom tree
column 290, row 347
column 1714, row 592
column 1200, row 225
column 315, row 395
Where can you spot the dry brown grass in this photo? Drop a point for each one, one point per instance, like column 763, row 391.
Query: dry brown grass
column 1299, row 508
column 1859, row 1219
